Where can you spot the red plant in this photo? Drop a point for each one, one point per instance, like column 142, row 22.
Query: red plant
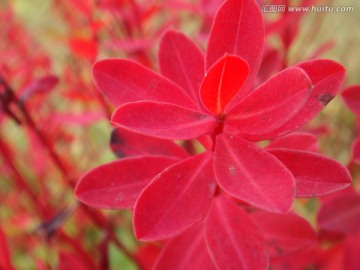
column 211, row 99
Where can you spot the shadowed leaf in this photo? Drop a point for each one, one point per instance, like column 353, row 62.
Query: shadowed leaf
column 163, row 120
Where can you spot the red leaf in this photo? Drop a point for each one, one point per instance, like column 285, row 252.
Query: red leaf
column 68, row 261
column 41, row 85
column 166, row 207
column 351, row 259
column 124, row 81
column 163, row 120
column 284, row 234
column 315, row 174
column 125, row 144
column 296, row 141
column 209, row 9
column 340, row 214
column 304, row 259
column 272, row 104
column 5, row 257
column 147, row 255
column 84, row 47
column 237, row 29
column 183, row 62
column 327, row 77
column 87, row 118
column 351, row 96
column 355, row 151
column 82, row 6
column 222, row 82
column 187, row 251
column 117, row 185
column 251, row 174
column 232, row 239
column 270, row 65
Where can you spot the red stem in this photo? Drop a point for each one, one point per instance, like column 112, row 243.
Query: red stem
column 96, row 217
column 19, row 179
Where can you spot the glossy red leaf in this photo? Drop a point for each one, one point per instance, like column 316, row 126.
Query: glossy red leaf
column 296, row 141
column 284, row 234
column 351, row 96
column 251, row 174
column 340, row 214
column 222, row 82
column 183, row 62
column 125, row 143
column 117, row 185
column 271, row 104
column 315, row 174
column 327, row 77
column 233, row 240
column 166, row 207
column 187, row 251
column 163, row 120
column 237, row 29
column 124, row 81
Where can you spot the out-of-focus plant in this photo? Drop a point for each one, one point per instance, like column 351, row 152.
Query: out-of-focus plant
column 54, row 127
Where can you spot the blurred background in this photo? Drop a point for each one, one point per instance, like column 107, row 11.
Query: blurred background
column 54, row 124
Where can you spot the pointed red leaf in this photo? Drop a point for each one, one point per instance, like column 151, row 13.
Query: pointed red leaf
column 176, row 199
column 284, row 234
column 187, row 251
column 124, row 81
column 163, row 120
column 117, row 185
column 340, row 214
column 297, row 141
column 327, row 77
column 351, row 96
column 125, row 143
column 222, row 82
column 182, row 62
column 232, row 239
column 315, row 174
column 251, row 174
column 272, row 104
column 237, row 29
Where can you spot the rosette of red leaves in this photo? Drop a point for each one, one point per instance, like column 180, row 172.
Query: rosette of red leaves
column 211, row 99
